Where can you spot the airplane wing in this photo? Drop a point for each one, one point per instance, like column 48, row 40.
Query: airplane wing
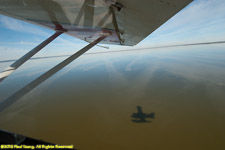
column 130, row 21
column 122, row 22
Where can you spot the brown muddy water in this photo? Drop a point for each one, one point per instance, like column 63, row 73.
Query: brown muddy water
column 90, row 103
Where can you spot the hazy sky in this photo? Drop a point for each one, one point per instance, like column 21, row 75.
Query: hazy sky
column 201, row 21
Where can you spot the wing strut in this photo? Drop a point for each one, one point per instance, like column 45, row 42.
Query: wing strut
column 4, row 74
column 13, row 98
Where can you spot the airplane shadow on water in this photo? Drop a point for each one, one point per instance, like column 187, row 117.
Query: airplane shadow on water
column 141, row 117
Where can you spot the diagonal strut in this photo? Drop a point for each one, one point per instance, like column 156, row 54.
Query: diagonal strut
column 4, row 74
column 20, row 93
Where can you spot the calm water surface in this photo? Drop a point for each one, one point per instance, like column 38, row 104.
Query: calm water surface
column 90, row 102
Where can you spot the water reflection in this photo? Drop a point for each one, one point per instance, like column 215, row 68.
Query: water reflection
column 90, row 102
column 20, row 93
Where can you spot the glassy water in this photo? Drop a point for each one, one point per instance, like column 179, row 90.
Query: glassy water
column 91, row 103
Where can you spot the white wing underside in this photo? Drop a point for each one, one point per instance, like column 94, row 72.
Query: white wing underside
column 85, row 19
